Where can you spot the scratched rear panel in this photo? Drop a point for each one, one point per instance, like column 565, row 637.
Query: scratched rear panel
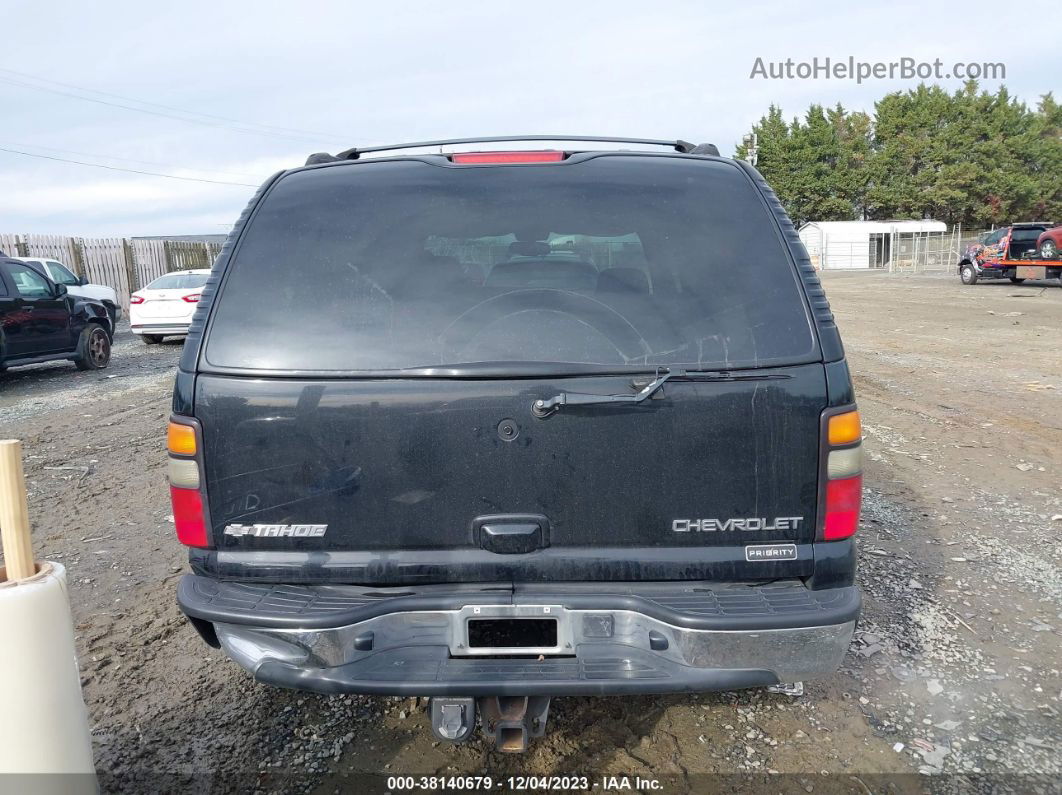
column 409, row 464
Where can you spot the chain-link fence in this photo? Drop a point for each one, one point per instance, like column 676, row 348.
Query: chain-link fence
column 892, row 251
column 923, row 252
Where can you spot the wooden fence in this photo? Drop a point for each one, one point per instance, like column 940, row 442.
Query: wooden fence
column 126, row 264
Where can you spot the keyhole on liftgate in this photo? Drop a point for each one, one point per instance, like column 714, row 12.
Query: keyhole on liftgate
column 508, row 430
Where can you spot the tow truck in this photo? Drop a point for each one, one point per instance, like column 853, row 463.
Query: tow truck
column 1009, row 252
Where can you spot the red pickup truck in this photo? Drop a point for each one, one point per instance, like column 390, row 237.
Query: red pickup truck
column 1010, row 252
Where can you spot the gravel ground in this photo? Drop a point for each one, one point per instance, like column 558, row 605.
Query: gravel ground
column 952, row 684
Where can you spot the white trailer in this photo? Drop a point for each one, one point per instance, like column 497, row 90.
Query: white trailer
column 859, row 245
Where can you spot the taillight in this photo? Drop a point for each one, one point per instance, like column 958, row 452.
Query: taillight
column 844, row 428
column 547, row 156
column 190, row 298
column 183, row 473
column 842, row 472
column 180, row 439
column 843, row 498
column 186, row 485
column 188, row 517
column 136, row 299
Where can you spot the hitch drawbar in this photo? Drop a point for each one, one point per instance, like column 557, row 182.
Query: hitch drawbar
column 511, row 720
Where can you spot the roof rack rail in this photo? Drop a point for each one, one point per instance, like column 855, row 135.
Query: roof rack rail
column 684, row 147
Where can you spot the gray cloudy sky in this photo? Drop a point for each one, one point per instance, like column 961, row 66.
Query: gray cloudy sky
column 338, row 74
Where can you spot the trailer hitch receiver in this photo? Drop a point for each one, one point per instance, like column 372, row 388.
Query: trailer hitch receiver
column 512, row 721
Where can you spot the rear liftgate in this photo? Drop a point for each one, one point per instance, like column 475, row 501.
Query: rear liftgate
column 502, row 631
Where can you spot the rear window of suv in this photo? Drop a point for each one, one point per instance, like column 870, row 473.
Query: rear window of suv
column 613, row 260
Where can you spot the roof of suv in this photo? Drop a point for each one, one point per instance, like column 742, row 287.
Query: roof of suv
column 355, row 153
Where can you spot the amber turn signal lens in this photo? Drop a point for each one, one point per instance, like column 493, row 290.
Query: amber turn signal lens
column 844, row 428
column 181, row 439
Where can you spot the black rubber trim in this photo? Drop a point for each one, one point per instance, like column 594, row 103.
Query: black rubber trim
column 196, row 328
column 829, row 337
column 416, row 567
column 691, row 605
column 430, row 671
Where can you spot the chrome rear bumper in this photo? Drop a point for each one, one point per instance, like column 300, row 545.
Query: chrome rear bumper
column 161, row 329
column 597, row 652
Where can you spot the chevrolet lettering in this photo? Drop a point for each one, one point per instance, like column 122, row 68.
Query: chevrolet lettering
column 752, row 525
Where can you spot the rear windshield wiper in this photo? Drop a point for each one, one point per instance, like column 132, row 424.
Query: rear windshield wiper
column 543, row 408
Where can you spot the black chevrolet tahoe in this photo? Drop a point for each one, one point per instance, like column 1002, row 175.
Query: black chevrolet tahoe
column 495, row 426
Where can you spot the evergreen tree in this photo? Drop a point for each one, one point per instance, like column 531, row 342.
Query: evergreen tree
column 970, row 157
column 851, row 177
column 816, row 154
column 772, row 154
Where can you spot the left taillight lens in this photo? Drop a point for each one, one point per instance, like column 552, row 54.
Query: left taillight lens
column 136, row 299
column 842, row 473
column 184, row 471
column 188, row 517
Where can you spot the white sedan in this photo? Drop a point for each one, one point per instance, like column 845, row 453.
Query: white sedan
column 165, row 307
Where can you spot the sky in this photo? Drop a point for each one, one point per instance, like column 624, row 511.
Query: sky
column 234, row 91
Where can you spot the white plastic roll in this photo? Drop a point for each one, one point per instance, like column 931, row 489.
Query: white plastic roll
column 43, row 721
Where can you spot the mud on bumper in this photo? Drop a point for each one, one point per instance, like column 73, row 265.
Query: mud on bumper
column 609, row 638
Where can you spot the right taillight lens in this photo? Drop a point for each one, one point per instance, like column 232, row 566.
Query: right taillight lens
column 843, row 474
column 186, row 493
